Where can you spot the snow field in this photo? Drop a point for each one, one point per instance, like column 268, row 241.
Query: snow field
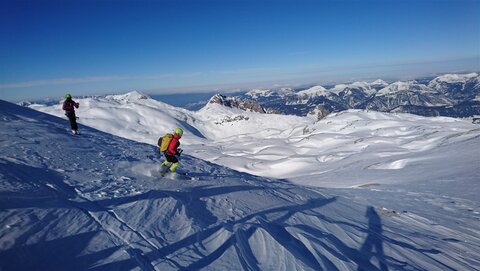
column 414, row 203
column 298, row 148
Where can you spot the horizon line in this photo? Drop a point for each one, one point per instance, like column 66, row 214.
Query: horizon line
column 318, row 70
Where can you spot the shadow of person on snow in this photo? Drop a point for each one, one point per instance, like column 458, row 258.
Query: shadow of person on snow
column 373, row 245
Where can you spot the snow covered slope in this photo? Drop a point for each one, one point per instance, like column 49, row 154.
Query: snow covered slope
column 132, row 115
column 97, row 202
column 345, row 149
column 458, row 86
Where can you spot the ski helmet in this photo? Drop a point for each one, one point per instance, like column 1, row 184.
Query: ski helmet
column 179, row 131
column 68, row 96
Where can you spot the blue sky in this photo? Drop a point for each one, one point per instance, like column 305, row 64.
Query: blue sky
column 96, row 47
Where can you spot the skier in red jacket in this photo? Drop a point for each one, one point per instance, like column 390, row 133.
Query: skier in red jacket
column 69, row 106
column 173, row 150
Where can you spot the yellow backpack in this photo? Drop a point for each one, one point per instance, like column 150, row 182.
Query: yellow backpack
column 164, row 141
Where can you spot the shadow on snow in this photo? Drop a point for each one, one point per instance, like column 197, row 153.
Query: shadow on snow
column 63, row 253
column 55, row 193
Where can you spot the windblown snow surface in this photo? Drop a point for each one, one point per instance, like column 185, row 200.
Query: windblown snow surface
column 360, row 190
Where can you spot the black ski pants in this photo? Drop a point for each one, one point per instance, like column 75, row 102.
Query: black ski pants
column 170, row 158
column 73, row 120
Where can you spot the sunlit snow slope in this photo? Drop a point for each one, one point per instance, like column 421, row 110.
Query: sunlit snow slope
column 97, row 202
column 345, row 149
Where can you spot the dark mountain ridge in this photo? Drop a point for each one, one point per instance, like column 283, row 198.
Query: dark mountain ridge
column 452, row 95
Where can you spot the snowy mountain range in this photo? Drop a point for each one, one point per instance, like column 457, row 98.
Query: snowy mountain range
column 355, row 190
column 453, row 95
column 270, row 145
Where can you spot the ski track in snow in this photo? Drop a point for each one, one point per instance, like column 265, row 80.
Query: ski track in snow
column 97, row 202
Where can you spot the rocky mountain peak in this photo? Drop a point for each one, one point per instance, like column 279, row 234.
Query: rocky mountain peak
column 236, row 102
